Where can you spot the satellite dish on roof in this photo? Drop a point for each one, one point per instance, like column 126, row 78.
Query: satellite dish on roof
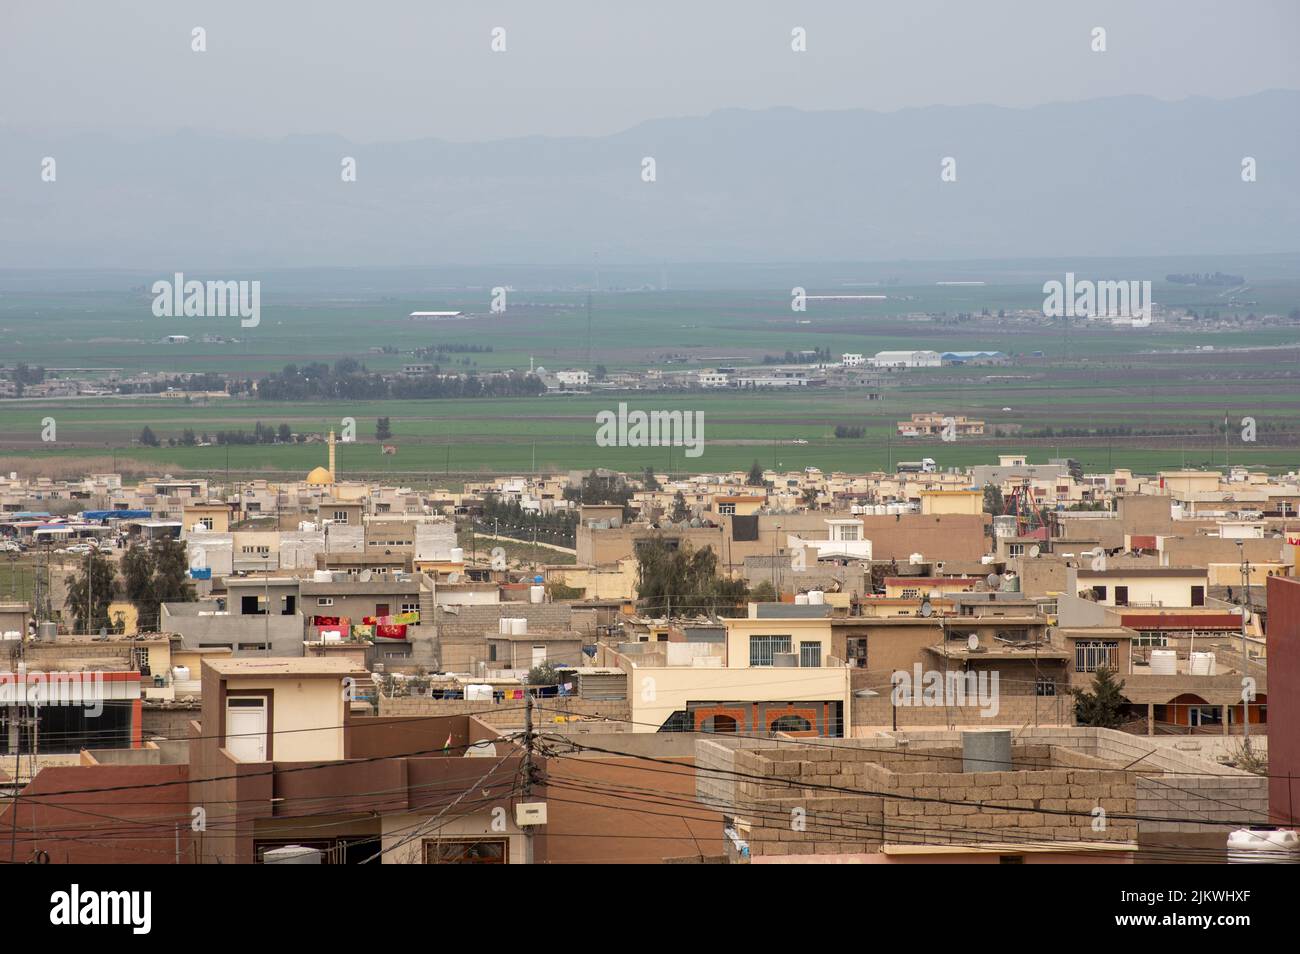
column 1034, row 550
column 364, row 576
column 992, row 579
column 483, row 749
column 972, row 642
column 927, row 609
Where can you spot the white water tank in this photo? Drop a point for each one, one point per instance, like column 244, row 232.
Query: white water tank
column 503, row 626
column 816, row 597
column 322, row 576
column 1202, row 664
column 519, row 626
column 180, row 673
column 457, row 554
column 477, row 692
column 916, row 558
column 536, row 594
column 801, row 599
column 1164, row 662
column 1273, row 846
column 988, row 558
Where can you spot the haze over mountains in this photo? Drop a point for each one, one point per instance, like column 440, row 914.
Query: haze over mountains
column 1127, row 176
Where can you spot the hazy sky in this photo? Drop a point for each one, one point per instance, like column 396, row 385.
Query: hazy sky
column 403, row 69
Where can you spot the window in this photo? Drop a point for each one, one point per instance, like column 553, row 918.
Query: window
column 1094, row 654
column 727, row 508
column 381, row 609
column 140, row 659
column 1100, row 593
column 810, row 654
column 410, row 606
column 1044, row 686
column 1015, row 549
column 763, row 648
column 848, row 533
column 324, row 601
column 479, row 851
column 790, row 723
column 1121, row 596
column 206, row 522
column 253, row 647
column 855, row 648
column 1150, row 637
column 1198, row 596
column 911, row 593
column 340, row 516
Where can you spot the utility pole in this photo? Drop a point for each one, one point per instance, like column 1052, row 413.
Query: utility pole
column 1245, row 651
column 528, row 770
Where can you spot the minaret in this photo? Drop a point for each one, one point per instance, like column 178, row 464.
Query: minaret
column 331, row 443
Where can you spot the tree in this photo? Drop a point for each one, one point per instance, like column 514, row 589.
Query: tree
column 684, row 580
column 148, row 438
column 92, row 587
column 1103, row 706
column 283, row 434
column 765, row 592
column 993, row 502
column 544, row 674
column 155, row 574
column 755, row 476
column 649, row 481
column 680, row 510
column 810, row 497
column 383, row 429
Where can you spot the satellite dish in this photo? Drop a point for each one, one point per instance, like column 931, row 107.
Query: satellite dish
column 1034, row 550
column 972, row 642
column 482, row 750
column 927, row 609
column 364, row 576
column 992, row 579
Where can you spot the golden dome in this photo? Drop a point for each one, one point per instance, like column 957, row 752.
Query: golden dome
column 319, row 476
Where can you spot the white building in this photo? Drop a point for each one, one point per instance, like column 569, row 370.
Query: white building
column 573, row 378
column 714, row 379
column 852, row 360
column 907, row 359
column 845, row 540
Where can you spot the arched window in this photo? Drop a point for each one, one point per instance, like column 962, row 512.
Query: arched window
column 790, row 723
column 720, row 723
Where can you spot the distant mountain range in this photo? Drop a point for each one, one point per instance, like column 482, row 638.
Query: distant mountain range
column 1127, row 176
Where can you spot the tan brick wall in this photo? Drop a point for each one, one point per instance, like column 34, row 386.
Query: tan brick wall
column 508, row 714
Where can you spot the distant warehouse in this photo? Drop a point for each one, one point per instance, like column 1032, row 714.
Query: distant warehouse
column 906, row 359
column 435, row 315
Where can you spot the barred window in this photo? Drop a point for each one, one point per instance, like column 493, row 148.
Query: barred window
column 810, row 654
column 1091, row 655
column 763, row 648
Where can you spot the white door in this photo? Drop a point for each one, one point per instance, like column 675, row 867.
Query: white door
column 246, row 728
column 539, row 655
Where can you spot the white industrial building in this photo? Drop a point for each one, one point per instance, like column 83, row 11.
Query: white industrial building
column 852, row 360
column 906, row 359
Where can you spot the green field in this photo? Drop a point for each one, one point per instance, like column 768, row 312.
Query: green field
column 1152, row 381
